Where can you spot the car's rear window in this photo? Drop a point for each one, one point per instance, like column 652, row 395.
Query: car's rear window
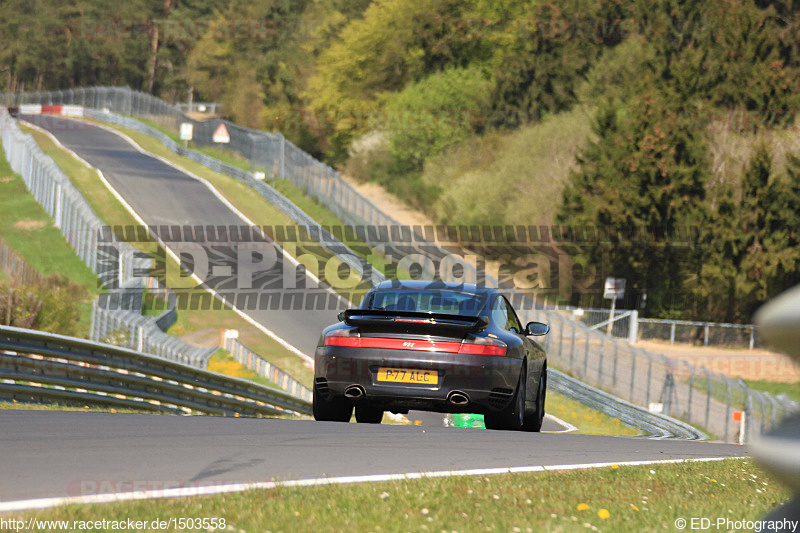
column 428, row 301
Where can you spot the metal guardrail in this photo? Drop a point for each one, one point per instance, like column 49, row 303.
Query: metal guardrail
column 35, row 365
column 651, row 424
column 264, row 368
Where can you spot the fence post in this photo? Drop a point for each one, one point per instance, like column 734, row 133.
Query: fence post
column 691, row 389
column 572, row 346
column 727, row 407
column 600, row 362
column 633, row 373
column 633, row 327
column 649, row 374
column 705, row 335
column 708, row 395
column 669, row 386
column 586, row 355
column 283, row 157
column 672, row 333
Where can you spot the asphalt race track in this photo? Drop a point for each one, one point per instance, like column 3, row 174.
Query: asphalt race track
column 68, row 454
column 63, row 454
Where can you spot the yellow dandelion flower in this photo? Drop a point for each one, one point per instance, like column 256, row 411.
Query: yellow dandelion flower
column 615, row 466
column 634, row 508
column 603, row 513
column 583, row 507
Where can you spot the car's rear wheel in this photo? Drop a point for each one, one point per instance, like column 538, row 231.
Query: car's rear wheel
column 533, row 422
column 367, row 414
column 513, row 416
column 337, row 409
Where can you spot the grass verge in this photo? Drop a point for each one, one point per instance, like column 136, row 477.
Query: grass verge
column 28, row 229
column 627, row 498
column 792, row 390
column 60, row 407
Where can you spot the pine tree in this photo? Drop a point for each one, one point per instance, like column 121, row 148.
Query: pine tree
column 647, row 171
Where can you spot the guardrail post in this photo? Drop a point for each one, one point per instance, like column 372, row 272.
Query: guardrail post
column 705, row 335
column 672, row 333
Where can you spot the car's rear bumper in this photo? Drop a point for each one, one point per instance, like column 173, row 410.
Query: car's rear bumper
column 488, row 381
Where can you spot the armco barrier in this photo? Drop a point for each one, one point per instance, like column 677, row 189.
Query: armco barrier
column 651, row 424
column 36, row 366
column 264, row 368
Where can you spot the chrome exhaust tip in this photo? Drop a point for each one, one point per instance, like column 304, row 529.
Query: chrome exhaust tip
column 354, row 391
column 458, row 398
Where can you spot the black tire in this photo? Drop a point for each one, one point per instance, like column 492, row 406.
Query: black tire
column 334, row 410
column 367, row 414
column 512, row 417
column 533, row 422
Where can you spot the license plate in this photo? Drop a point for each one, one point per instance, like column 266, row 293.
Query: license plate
column 406, row 375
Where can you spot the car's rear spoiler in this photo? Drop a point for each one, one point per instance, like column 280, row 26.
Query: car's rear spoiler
column 374, row 319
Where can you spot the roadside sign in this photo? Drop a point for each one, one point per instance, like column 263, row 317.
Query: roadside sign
column 221, row 134
column 187, row 129
column 614, row 289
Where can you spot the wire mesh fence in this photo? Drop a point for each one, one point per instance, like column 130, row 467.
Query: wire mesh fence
column 690, row 393
column 700, row 333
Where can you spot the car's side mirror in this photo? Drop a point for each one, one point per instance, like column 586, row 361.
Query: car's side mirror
column 536, row 328
column 340, row 316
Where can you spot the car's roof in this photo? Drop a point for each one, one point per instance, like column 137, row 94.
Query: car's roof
column 435, row 286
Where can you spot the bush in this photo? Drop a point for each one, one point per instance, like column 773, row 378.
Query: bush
column 51, row 306
column 434, row 113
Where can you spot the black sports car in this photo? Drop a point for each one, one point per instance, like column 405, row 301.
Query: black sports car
column 449, row 348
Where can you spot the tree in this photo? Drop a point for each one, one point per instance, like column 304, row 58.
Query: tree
column 753, row 242
column 647, row 171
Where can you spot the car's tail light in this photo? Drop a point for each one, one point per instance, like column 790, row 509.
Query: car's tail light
column 343, row 337
column 471, row 345
column 482, row 346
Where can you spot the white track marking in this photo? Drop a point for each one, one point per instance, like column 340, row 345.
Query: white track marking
column 568, row 428
column 308, row 359
column 186, row 492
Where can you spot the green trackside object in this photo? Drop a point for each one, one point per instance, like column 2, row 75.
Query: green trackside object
column 460, row 420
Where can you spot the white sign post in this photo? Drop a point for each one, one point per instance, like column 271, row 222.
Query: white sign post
column 614, row 289
column 221, row 136
column 187, row 131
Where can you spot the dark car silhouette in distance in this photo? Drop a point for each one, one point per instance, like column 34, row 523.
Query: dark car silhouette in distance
column 442, row 347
